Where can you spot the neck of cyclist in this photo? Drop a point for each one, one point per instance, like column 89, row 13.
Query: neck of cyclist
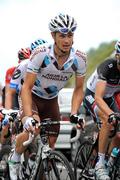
column 59, row 53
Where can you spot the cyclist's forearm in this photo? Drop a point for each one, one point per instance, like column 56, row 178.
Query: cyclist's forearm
column 26, row 97
column 9, row 96
column 76, row 100
column 103, row 106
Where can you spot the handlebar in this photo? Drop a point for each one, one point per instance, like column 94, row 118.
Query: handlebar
column 12, row 114
column 9, row 112
column 76, row 137
column 10, row 119
column 45, row 123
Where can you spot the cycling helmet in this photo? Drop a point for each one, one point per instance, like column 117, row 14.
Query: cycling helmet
column 37, row 43
column 24, row 53
column 63, row 23
column 117, row 47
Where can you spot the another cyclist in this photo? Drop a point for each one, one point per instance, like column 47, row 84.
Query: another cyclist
column 23, row 53
column 12, row 103
column 99, row 100
column 48, row 71
column 19, row 75
column 16, row 82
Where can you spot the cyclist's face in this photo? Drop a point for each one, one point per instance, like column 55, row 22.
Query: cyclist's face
column 64, row 41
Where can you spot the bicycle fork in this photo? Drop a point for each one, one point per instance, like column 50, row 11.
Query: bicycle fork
column 49, row 164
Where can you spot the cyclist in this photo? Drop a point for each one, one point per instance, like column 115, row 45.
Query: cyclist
column 99, row 100
column 22, row 55
column 18, row 76
column 12, row 103
column 17, row 81
column 48, row 71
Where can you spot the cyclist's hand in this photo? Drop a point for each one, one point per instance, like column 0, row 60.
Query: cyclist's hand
column 113, row 118
column 29, row 124
column 5, row 121
column 78, row 119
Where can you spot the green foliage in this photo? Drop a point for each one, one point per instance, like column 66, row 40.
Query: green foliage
column 97, row 56
column 94, row 58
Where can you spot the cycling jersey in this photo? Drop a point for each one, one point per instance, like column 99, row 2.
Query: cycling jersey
column 9, row 74
column 108, row 72
column 8, row 77
column 50, row 79
column 18, row 76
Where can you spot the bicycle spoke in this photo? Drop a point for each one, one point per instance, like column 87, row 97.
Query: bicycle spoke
column 85, row 161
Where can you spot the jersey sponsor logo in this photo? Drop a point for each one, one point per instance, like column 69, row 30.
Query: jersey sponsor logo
column 37, row 51
column 90, row 99
column 110, row 65
column 14, row 86
column 16, row 74
column 55, row 77
column 81, row 54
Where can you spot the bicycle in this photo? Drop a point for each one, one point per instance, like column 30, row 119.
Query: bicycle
column 48, row 163
column 14, row 127
column 87, row 153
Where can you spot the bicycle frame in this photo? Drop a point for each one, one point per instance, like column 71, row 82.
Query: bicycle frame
column 87, row 159
column 43, row 153
column 43, row 148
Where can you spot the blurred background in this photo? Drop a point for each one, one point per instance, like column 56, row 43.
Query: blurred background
column 23, row 21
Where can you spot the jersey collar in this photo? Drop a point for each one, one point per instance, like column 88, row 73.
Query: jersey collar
column 71, row 56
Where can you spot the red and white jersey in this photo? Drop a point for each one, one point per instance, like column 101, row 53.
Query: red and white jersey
column 9, row 74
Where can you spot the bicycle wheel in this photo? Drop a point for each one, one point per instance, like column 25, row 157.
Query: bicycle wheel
column 115, row 173
column 85, row 161
column 56, row 167
column 4, row 153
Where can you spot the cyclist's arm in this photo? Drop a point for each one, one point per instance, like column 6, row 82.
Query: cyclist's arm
column 26, row 94
column 9, row 95
column 99, row 93
column 77, row 94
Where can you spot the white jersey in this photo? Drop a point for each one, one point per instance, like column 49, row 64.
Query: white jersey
column 50, row 79
column 91, row 82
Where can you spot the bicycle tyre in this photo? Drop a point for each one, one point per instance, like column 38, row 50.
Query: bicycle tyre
column 115, row 173
column 85, row 160
column 4, row 154
column 59, row 169
column 6, row 149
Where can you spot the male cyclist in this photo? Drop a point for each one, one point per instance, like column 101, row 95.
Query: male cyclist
column 99, row 100
column 12, row 103
column 22, row 55
column 19, row 75
column 49, row 69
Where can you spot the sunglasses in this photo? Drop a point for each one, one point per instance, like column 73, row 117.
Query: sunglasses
column 67, row 30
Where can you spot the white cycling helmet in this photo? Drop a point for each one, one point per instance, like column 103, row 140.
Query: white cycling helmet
column 63, row 23
column 117, row 47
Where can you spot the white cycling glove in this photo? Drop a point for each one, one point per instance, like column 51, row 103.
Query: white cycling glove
column 29, row 124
